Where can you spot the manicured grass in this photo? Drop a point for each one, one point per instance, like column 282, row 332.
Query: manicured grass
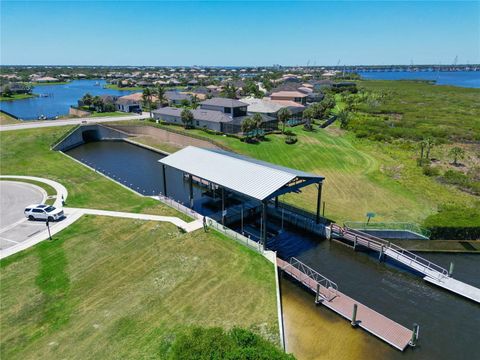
column 112, row 113
column 7, row 119
column 361, row 175
column 394, row 187
column 127, row 88
column 17, row 97
column 117, row 288
column 50, row 83
column 27, row 152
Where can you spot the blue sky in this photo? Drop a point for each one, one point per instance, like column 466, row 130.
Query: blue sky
column 239, row 33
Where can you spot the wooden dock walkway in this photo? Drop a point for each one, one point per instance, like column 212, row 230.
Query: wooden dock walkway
column 327, row 293
column 431, row 272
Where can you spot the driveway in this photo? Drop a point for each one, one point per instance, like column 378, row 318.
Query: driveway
column 14, row 197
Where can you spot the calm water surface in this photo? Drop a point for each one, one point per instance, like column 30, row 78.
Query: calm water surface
column 59, row 99
column 469, row 79
column 449, row 324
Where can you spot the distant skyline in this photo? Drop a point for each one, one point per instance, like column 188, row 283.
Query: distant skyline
column 239, row 33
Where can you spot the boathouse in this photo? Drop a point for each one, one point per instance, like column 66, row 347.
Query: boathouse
column 240, row 185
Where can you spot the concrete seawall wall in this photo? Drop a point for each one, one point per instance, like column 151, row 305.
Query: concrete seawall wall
column 164, row 136
column 86, row 133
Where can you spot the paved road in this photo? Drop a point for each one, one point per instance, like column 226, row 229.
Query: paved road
column 14, row 197
column 76, row 121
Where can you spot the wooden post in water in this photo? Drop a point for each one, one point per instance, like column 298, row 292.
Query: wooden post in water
column 355, row 243
column 354, row 315
column 413, row 341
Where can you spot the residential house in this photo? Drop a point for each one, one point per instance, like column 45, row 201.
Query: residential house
column 219, row 114
column 177, row 98
column 296, row 96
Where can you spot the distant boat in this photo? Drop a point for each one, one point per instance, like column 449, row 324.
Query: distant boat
column 97, row 84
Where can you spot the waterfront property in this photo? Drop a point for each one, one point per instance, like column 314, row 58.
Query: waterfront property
column 52, row 101
column 218, row 114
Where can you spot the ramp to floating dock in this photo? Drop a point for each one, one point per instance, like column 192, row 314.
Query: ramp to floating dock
column 432, row 273
column 327, row 292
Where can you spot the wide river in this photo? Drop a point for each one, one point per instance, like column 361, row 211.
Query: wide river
column 469, row 79
column 55, row 100
column 449, row 324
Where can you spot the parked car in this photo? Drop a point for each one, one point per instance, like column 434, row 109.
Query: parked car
column 43, row 212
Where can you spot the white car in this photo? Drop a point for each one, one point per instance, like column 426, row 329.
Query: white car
column 43, row 212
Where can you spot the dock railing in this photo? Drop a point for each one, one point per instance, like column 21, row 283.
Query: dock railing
column 438, row 271
column 394, row 251
column 394, row 226
column 307, row 272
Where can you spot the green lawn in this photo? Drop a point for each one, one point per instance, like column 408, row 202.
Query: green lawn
column 112, row 113
column 126, row 88
column 121, row 289
column 361, row 175
column 49, row 83
column 17, row 97
column 27, row 152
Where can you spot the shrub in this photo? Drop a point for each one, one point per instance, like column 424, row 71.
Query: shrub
column 215, row 343
column 454, row 223
column 430, row 171
column 290, row 139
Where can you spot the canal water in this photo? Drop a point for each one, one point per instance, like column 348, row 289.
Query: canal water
column 55, row 100
column 470, row 79
column 449, row 324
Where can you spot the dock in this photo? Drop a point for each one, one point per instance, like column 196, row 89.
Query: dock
column 430, row 271
column 327, row 294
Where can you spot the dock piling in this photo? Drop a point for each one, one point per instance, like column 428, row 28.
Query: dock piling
column 415, row 331
column 317, row 295
column 354, row 315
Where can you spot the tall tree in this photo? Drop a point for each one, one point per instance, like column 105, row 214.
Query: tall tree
column 308, row 116
column 147, row 99
column 283, row 115
column 248, row 126
column 457, row 153
column 187, row 118
column 160, row 93
column 87, row 99
column 229, row 91
column 257, row 121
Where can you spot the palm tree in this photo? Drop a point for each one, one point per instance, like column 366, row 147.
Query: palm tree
column 283, row 115
column 343, row 117
column 430, row 143
column 248, row 126
column 257, row 121
column 147, row 99
column 457, row 153
column 160, row 93
column 308, row 115
column 187, row 118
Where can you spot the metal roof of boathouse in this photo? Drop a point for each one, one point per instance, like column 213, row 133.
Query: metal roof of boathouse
column 254, row 178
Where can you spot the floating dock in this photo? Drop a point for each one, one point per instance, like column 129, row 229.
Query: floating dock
column 327, row 294
column 431, row 272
